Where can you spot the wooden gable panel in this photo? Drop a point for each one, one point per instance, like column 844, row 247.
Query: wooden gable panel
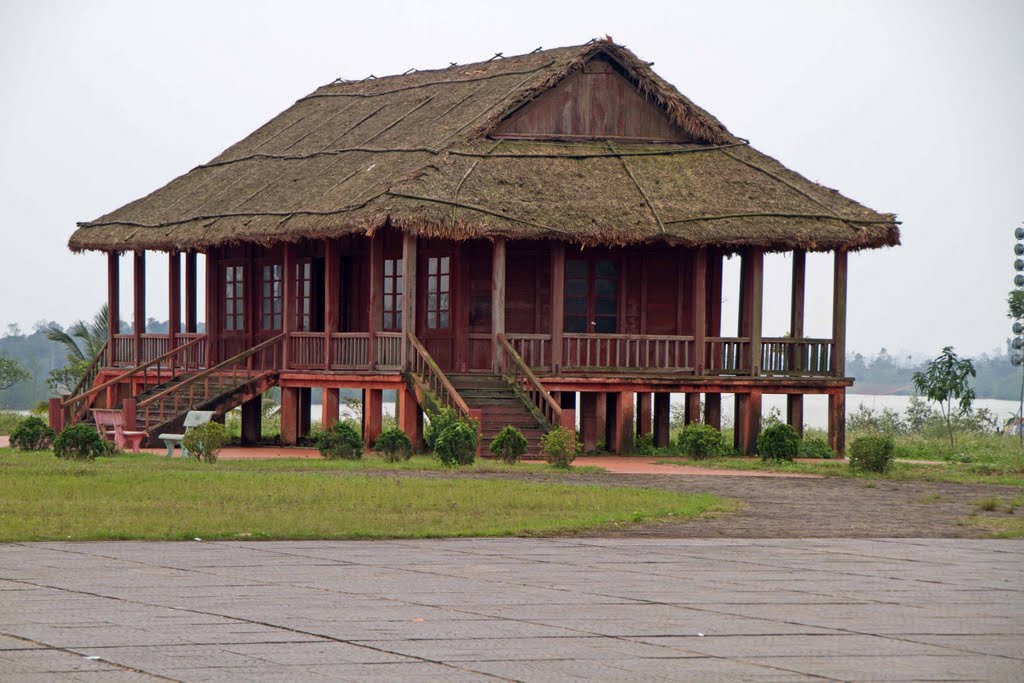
column 594, row 103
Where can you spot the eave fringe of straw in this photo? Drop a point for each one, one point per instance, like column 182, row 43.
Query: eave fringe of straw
column 769, row 214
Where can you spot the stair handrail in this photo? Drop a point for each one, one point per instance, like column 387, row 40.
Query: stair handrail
column 144, row 368
column 191, row 382
column 421, row 363
column 518, row 372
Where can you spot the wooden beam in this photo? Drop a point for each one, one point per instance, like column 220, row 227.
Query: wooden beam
column 409, row 256
column 139, row 302
column 795, row 412
column 173, row 298
column 751, row 301
column 497, row 297
column 796, row 308
column 214, row 295
column 289, row 416
column 288, row 304
column 621, row 440
column 375, row 300
column 837, row 422
column 191, row 293
column 329, row 408
column 113, row 301
column 698, row 285
column 839, row 315
column 409, row 418
column 332, row 296
column 557, row 304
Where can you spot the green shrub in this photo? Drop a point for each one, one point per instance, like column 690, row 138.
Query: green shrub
column 80, row 442
column 343, row 440
column 439, row 420
column 32, row 434
column 456, row 445
column 778, row 442
column 205, row 441
column 873, row 453
column 816, row 447
column 644, row 445
column 509, row 445
column 393, row 445
column 560, row 447
column 700, row 441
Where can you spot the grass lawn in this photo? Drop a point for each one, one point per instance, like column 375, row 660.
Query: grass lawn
column 149, row 497
column 997, row 516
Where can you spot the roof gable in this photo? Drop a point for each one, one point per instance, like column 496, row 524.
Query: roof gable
column 595, row 102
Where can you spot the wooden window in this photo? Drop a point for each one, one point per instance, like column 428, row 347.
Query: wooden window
column 438, row 291
column 392, row 294
column 577, row 288
column 591, row 296
column 303, row 295
column 606, row 296
column 234, row 298
column 272, row 298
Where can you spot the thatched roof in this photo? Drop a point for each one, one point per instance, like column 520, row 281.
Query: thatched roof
column 413, row 152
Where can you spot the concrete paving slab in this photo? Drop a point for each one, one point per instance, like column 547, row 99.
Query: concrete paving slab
column 523, row 609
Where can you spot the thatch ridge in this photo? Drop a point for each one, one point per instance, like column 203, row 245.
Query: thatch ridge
column 411, row 151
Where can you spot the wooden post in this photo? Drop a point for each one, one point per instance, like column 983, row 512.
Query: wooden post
column 796, row 307
column 139, row 303
column 128, row 407
column 839, row 315
column 643, row 413
column 329, row 408
column 621, row 423
column 714, row 293
column 305, row 407
column 289, row 416
column 173, row 298
column 691, row 410
column 373, row 409
column 191, row 294
column 409, row 257
column 751, row 294
column 698, row 285
column 214, row 294
column 557, row 304
column 795, row 412
column 713, row 410
column 662, row 418
column 408, row 418
column 747, row 422
column 288, row 304
column 375, row 301
column 601, row 419
column 497, row 297
column 252, row 419
column 567, row 402
column 113, row 302
column 837, row 421
column 588, row 419
column 332, row 297
column 55, row 413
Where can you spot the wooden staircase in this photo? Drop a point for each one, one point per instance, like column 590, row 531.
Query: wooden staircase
column 499, row 405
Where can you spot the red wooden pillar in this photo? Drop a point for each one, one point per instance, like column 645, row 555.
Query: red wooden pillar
column 837, row 421
column 409, row 418
column 288, row 302
column 55, row 414
column 691, row 409
column 620, row 433
column 497, row 297
column 173, row 298
column 795, row 402
column 589, row 401
column 252, row 419
column 751, row 294
column 567, row 402
column 375, row 301
column 409, row 249
column 662, row 418
column 698, row 286
column 713, row 410
column 289, row 416
column 214, row 295
column 373, row 414
column 713, row 401
column 329, row 408
column 557, row 305
column 113, row 302
column 839, row 315
column 643, row 413
column 128, row 407
column 747, row 422
column 191, row 294
column 139, row 303
column 332, row 298
column 601, row 419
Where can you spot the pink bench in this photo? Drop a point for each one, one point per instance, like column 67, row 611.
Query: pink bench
column 111, row 425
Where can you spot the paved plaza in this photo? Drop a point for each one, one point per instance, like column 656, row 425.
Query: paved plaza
column 520, row 609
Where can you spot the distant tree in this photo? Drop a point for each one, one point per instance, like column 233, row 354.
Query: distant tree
column 82, row 343
column 946, row 379
column 12, row 372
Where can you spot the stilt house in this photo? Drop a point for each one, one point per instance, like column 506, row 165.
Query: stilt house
column 534, row 240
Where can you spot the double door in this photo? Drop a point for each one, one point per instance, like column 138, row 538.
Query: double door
column 591, row 295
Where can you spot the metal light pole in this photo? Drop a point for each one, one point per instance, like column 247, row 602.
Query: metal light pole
column 1017, row 355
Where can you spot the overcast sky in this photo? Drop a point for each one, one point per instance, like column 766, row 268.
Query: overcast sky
column 911, row 107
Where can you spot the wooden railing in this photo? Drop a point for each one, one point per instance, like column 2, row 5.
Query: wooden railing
column 388, row 349
column 76, row 407
column 153, row 346
column 637, row 352
column 350, row 351
column 306, row 350
column 534, row 349
column 727, row 356
column 196, row 354
column 181, row 358
column 434, row 380
column 250, row 365
column 123, row 350
column 788, row 356
column 519, row 375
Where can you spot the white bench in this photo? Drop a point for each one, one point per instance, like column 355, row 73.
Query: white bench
column 193, row 419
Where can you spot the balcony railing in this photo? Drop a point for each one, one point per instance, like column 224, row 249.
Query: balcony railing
column 624, row 351
column 727, row 356
column 787, row 356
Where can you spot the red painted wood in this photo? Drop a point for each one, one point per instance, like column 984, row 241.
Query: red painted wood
column 557, row 303
column 213, row 295
column 373, row 411
column 643, row 412
column 662, row 418
column 174, row 299
column 837, row 422
column 139, row 302
column 113, row 301
column 191, row 293
column 839, row 315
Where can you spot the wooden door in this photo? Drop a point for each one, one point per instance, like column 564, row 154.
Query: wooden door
column 436, row 306
column 234, row 337
column 591, row 295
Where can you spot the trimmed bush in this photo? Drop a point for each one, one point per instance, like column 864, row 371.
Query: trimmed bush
column 205, row 441
column 80, row 442
column 560, row 447
column 778, row 442
column 32, row 434
column 509, row 445
column 456, row 445
column 393, row 445
column 816, row 447
column 439, row 421
column 700, row 441
column 343, row 441
column 873, row 453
